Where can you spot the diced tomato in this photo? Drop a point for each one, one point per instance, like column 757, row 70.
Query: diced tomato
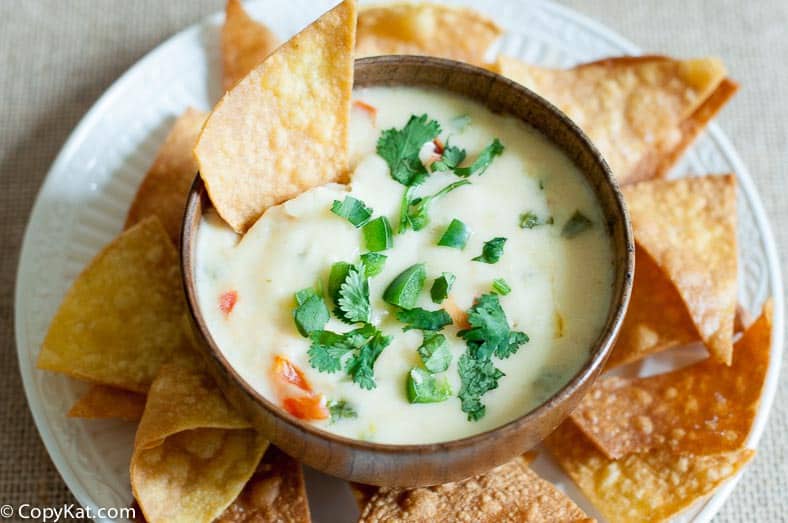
column 369, row 109
column 227, row 301
column 310, row 407
column 439, row 147
column 458, row 316
column 284, row 370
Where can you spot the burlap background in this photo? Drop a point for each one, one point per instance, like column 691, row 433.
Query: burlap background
column 57, row 57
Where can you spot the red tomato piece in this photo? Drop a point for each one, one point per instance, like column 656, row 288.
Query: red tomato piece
column 439, row 147
column 306, row 407
column 227, row 301
column 369, row 109
column 284, row 370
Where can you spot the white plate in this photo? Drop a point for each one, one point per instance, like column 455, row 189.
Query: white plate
column 84, row 199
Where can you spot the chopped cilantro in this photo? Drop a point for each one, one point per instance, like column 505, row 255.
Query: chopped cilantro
column 363, row 344
column 575, row 225
column 483, row 161
column 460, row 122
column 373, row 263
column 417, row 214
column 500, row 286
column 353, row 299
column 336, row 278
column 478, row 377
column 355, row 211
column 404, row 290
column 340, row 410
column 424, row 387
column 311, row 312
column 491, row 251
column 529, row 220
column 377, row 234
column 456, row 235
column 434, row 352
column 400, row 149
column 451, row 158
column 441, row 287
column 489, row 331
column 418, row 318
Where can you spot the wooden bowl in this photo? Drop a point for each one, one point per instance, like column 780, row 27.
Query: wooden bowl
column 434, row 463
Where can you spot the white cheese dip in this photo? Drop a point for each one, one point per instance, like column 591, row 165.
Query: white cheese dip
column 561, row 287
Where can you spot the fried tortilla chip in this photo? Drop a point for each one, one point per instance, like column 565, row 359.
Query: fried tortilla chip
column 640, row 112
column 425, row 29
column 164, row 189
column 640, row 487
column 509, row 493
column 276, row 492
column 284, row 128
column 657, row 318
column 705, row 408
column 193, row 453
column 245, row 43
column 102, row 402
column 121, row 319
column 688, row 227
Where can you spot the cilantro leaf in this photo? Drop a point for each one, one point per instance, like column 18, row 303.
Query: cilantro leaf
column 340, row 410
column 417, row 213
column 489, row 332
column 434, row 352
column 578, row 223
column 400, row 149
column 311, row 312
column 363, row 345
column 441, row 287
column 353, row 299
column 477, row 377
column 419, row 318
column 451, row 158
column 327, row 350
column 361, row 365
column 355, row 211
column 491, row 251
column 483, row 161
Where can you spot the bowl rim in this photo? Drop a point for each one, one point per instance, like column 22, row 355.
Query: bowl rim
column 599, row 350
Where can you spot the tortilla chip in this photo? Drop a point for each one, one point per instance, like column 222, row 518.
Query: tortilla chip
column 283, row 129
column 634, row 109
column 164, row 189
column 193, row 453
column 657, row 318
column 688, row 227
column 121, row 319
column 425, row 29
column 276, row 492
column 245, row 43
column 362, row 493
column 640, row 487
column 705, row 408
column 509, row 493
column 102, row 402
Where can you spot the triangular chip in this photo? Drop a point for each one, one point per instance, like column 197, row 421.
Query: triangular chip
column 276, row 493
column 705, row 408
column 640, row 487
column 121, row 319
column 283, row 129
column 102, row 402
column 193, row 453
column 425, row 29
column 657, row 317
column 509, row 493
column 164, row 189
column 688, row 227
column 245, row 43
column 634, row 109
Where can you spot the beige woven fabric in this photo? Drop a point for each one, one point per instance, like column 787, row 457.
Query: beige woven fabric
column 57, row 57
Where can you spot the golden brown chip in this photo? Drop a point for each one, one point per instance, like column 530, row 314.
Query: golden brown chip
column 121, row 319
column 688, row 227
column 657, row 318
column 102, row 402
column 705, row 408
column 284, row 128
column 640, row 487
column 276, row 492
column 193, row 453
column 164, row 189
column 425, row 29
column 640, row 112
column 245, row 43
column 509, row 493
